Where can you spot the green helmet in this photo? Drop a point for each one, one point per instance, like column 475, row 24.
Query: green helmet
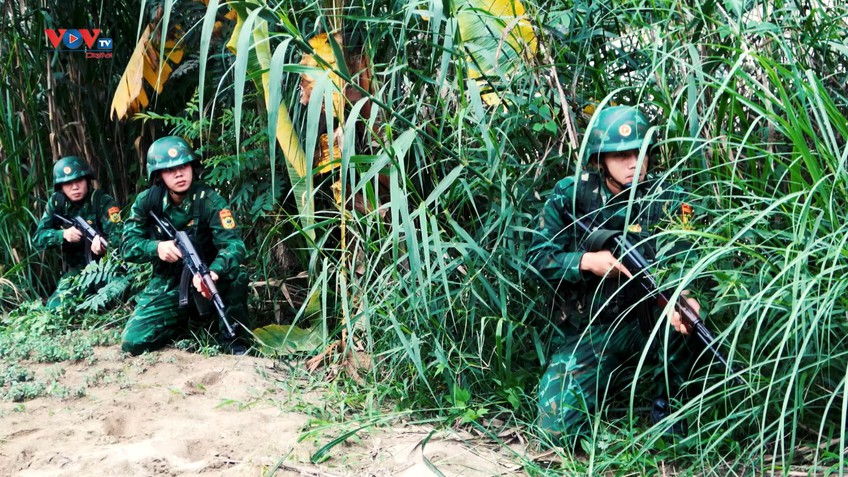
column 167, row 152
column 69, row 168
column 617, row 128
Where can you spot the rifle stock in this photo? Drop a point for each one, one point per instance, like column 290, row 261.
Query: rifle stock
column 196, row 266
column 638, row 266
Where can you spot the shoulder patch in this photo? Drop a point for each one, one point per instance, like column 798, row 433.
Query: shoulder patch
column 114, row 214
column 227, row 220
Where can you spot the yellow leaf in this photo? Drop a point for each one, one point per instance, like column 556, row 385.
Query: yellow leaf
column 492, row 99
column 518, row 28
column 172, row 53
column 324, row 51
column 286, row 136
column 142, row 100
column 325, row 162
column 144, row 65
column 337, row 192
column 232, row 45
column 152, row 76
column 498, row 38
column 124, row 101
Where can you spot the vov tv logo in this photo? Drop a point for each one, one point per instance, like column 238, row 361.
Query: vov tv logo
column 72, row 40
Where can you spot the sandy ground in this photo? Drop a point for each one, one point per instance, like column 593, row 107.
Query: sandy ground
column 174, row 413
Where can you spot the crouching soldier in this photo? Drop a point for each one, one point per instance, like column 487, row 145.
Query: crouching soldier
column 74, row 196
column 179, row 197
column 607, row 319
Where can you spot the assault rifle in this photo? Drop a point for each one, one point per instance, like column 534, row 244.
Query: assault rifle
column 635, row 262
column 87, row 230
column 194, row 265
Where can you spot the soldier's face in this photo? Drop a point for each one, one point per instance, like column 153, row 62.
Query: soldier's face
column 178, row 178
column 76, row 190
column 621, row 166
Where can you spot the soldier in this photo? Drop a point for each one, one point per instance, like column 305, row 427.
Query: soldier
column 179, row 196
column 606, row 319
column 74, row 196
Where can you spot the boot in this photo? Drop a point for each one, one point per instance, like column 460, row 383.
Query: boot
column 662, row 409
column 237, row 346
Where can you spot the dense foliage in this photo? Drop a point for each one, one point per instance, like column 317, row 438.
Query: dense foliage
column 441, row 173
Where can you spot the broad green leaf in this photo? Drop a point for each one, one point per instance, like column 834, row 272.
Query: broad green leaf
column 282, row 340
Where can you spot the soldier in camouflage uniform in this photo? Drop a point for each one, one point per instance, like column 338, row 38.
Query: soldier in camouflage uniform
column 607, row 320
column 190, row 205
column 74, row 196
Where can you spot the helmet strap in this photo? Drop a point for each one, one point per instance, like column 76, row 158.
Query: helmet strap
column 608, row 177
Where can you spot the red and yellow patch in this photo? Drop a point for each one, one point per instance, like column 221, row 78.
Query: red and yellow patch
column 114, row 214
column 227, row 220
column 686, row 212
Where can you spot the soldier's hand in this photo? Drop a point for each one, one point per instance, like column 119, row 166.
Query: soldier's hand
column 676, row 320
column 96, row 247
column 198, row 284
column 168, row 251
column 603, row 263
column 72, row 235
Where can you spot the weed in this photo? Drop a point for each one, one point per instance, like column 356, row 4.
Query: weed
column 24, row 391
column 53, row 373
column 15, row 374
column 92, row 380
column 58, row 391
column 50, row 352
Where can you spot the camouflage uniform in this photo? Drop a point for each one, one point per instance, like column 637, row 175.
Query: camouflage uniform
column 203, row 214
column 606, row 322
column 98, row 209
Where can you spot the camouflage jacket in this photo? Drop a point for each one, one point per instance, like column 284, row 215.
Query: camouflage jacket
column 97, row 208
column 558, row 245
column 203, row 214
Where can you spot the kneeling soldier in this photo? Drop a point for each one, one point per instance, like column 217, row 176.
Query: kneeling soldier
column 607, row 321
column 75, row 196
column 178, row 196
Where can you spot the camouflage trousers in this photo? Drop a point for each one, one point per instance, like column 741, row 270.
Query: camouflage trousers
column 591, row 367
column 158, row 320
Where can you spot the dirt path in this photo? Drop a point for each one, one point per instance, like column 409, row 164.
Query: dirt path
column 181, row 414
